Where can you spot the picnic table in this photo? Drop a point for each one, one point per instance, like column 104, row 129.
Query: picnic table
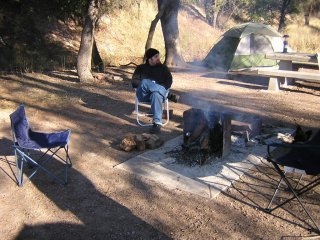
column 286, row 61
column 285, row 73
column 293, row 57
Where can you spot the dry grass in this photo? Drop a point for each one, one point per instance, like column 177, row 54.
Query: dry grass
column 122, row 36
column 196, row 36
column 304, row 38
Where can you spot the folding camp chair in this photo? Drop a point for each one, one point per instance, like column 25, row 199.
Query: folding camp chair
column 28, row 144
column 140, row 113
column 304, row 157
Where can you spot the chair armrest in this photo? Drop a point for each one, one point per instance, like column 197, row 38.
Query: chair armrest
column 292, row 145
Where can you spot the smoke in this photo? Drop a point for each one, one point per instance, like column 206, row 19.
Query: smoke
column 241, row 121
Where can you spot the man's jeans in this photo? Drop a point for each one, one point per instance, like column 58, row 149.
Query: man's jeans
column 155, row 94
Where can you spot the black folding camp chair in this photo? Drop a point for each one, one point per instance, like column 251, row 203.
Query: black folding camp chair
column 303, row 156
column 28, row 143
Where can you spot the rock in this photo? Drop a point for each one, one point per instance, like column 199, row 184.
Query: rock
column 152, row 141
column 102, row 77
column 117, row 78
column 128, row 143
column 140, row 142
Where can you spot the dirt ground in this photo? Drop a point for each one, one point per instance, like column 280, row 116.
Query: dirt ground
column 101, row 202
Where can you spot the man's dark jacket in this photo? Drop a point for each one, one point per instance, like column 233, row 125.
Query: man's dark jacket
column 159, row 73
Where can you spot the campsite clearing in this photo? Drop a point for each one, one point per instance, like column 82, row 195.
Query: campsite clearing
column 102, row 201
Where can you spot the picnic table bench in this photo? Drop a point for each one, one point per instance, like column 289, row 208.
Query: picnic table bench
column 285, row 74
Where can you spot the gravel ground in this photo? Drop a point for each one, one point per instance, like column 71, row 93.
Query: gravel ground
column 101, row 202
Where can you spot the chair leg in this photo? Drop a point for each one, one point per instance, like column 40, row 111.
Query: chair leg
column 26, row 158
column 296, row 187
column 139, row 114
column 68, row 163
column 19, row 167
column 296, row 194
column 67, row 160
column 166, row 104
column 67, row 156
column 274, row 194
column 277, row 189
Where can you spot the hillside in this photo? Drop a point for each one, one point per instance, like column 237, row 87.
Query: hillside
column 117, row 45
column 43, row 45
column 121, row 36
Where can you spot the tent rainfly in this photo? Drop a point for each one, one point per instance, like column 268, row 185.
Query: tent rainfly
column 244, row 46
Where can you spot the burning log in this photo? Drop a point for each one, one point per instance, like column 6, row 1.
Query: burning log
column 195, row 124
column 207, row 134
column 202, row 134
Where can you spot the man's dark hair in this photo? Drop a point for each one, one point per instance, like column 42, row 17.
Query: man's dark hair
column 150, row 53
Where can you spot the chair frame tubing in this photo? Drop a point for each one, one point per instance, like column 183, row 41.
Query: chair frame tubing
column 296, row 193
column 25, row 158
column 140, row 114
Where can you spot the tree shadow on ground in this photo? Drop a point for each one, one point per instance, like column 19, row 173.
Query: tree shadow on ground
column 93, row 118
column 261, row 83
column 95, row 216
column 243, row 85
column 304, row 87
column 67, row 75
column 6, row 151
column 10, row 165
column 256, row 187
column 99, row 113
column 251, row 82
column 123, row 72
column 105, row 218
column 6, row 148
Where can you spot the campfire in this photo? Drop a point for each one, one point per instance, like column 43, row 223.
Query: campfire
column 207, row 135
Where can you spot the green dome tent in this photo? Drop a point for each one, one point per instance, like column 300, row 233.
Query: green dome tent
column 244, row 46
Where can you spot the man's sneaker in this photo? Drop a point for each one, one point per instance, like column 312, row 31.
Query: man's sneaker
column 156, row 128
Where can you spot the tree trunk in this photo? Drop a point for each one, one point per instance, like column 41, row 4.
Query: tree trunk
column 87, row 40
column 153, row 27
column 307, row 14
column 234, row 8
column 306, row 19
column 208, row 10
column 170, row 29
column 215, row 15
column 96, row 58
column 215, row 19
column 283, row 9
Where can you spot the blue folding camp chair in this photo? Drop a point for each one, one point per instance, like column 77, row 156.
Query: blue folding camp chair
column 28, row 143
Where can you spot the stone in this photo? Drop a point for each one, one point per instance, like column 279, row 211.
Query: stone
column 117, row 78
column 140, row 142
column 128, row 143
column 152, row 141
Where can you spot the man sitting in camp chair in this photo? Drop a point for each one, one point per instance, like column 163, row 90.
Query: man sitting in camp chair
column 152, row 81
